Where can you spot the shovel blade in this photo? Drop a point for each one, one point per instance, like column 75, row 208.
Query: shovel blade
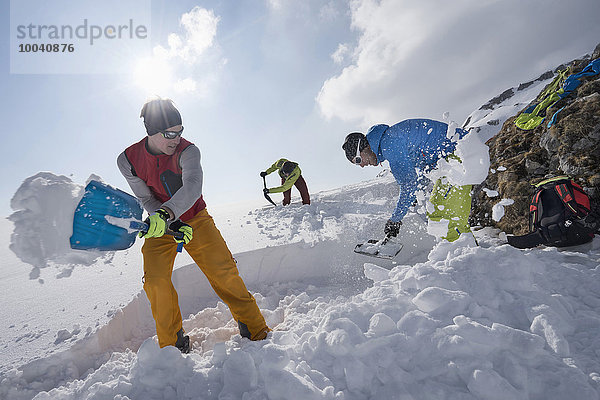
column 91, row 228
column 384, row 248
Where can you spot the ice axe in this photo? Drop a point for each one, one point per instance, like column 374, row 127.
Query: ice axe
column 266, row 194
column 108, row 219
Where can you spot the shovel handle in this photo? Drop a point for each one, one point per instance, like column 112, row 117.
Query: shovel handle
column 143, row 227
column 266, row 195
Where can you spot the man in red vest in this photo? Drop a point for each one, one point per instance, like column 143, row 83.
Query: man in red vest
column 164, row 172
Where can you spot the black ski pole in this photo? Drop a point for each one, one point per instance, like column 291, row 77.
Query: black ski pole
column 266, row 194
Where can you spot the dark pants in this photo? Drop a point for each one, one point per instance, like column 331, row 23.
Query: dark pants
column 302, row 188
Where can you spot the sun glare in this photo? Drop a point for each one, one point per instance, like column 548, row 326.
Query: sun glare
column 153, row 75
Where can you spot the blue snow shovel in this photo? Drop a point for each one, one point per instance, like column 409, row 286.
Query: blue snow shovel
column 108, row 219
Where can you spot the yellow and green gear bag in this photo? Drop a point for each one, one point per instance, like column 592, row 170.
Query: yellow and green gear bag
column 535, row 114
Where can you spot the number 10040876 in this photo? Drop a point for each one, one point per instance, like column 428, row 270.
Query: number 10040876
column 46, row 48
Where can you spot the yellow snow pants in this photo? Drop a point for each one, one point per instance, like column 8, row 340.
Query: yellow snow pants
column 452, row 203
column 210, row 252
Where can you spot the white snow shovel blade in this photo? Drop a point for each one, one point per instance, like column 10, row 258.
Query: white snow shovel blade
column 385, row 248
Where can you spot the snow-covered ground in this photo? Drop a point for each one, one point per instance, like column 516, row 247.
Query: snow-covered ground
column 443, row 321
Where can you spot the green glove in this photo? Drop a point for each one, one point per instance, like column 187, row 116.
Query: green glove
column 157, row 224
column 182, row 227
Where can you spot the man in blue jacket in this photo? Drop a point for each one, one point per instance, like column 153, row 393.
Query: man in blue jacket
column 413, row 147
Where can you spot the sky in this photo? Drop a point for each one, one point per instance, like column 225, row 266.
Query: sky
column 259, row 80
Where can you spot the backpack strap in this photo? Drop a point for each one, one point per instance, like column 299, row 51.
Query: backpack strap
column 526, row 241
column 535, row 211
column 564, row 192
column 591, row 222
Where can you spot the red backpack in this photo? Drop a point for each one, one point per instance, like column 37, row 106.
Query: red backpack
column 555, row 211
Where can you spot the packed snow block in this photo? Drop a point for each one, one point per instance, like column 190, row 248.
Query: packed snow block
column 497, row 337
column 436, row 299
column 239, row 375
column 520, row 342
column 445, row 251
column 358, row 376
column 283, row 384
column 380, row 325
column 417, row 323
column 338, row 343
column 551, row 317
column 422, row 276
column 276, row 356
column 157, row 370
column 551, row 331
column 150, row 354
column 375, row 272
column 489, row 385
column 341, row 338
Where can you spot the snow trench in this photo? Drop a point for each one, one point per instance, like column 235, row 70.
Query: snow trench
column 487, row 322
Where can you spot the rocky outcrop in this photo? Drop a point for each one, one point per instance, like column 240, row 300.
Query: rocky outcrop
column 521, row 158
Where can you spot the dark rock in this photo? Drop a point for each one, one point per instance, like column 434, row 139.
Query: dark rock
column 498, row 99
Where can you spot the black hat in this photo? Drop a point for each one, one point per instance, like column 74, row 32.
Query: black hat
column 351, row 142
column 159, row 115
column 287, row 168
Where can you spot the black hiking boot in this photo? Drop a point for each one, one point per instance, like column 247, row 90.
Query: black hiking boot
column 183, row 342
column 244, row 331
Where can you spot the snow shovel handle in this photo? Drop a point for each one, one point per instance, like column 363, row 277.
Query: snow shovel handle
column 143, row 227
column 266, row 195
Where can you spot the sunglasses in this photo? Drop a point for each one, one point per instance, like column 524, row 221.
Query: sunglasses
column 171, row 134
column 358, row 158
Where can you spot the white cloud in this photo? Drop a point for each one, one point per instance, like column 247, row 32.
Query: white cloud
column 329, row 12
column 275, row 4
column 184, row 54
column 420, row 59
column 185, row 85
column 200, row 30
column 340, row 54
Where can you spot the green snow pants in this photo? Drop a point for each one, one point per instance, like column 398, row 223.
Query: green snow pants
column 452, row 203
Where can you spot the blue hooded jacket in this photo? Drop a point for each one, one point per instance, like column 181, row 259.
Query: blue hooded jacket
column 411, row 147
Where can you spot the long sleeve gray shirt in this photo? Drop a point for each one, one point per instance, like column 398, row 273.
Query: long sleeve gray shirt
column 184, row 198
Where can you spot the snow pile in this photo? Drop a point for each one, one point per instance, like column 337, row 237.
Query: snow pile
column 443, row 320
column 487, row 322
column 44, row 206
column 330, row 215
column 490, row 322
